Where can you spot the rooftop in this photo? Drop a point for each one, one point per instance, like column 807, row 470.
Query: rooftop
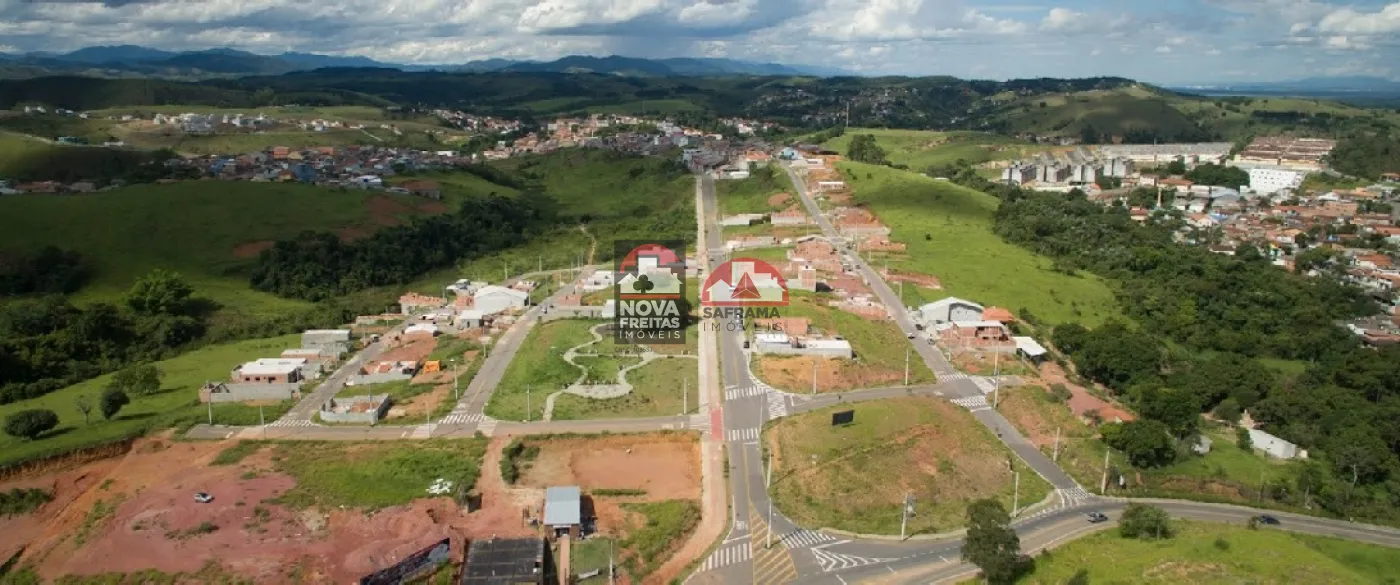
column 504, row 561
column 271, row 366
column 562, row 506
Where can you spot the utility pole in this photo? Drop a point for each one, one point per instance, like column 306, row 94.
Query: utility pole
column 527, row 403
column 996, row 379
column 768, row 543
column 262, row 421
column 1352, row 489
column 1056, row 456
column 814, row 378
column 610, row 563
column 1261, row 485
column 906, row 366
column 428, row 421
column 685, row 396
column 210, row 404
column 1103, row 486
column 455, row 375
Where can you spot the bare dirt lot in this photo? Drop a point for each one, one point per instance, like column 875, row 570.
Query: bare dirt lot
column 832, row 375
column 138, row 513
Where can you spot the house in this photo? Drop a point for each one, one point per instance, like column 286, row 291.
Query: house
column 1373, row 261
column 1030, row 348
column 469, row 319
column 784, row 344
column 381, row 372
column 492, row 299
column 1202, row 445
column 997, row 314
column 1274, row 446
column 326, row 338
column 975, row 334
column 791, row 216
column 599, row 280
column 414, row 303
column 740, row 220
column 563, row 511
column 314, row 356
column 788, row 325
column 427, row 329
column 269, row 371
column 948, row 310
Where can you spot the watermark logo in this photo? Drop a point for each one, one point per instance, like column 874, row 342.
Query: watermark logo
column 743, row 287
column 649, row 291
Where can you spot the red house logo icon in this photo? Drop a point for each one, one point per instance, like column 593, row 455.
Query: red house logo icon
column 745, row 282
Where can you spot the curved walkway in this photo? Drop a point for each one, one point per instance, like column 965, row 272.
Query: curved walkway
column 598, row 391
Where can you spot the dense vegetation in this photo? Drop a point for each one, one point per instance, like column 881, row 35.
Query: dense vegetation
column 101, row 166
column 1367, row 155
column 318, row 265
column 23, row 501
column 46, row 270
column 1202, row 318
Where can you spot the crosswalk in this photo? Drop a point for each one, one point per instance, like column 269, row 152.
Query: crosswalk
column 739, row 392
column 699, row 422
column 777, row 405
column 462, row 418
column 1074, row 496
column 834, row 561
column 973, row 403
column 805, row 539
column 954, row 376
column 741, row 435
column 292, row 423
column 728, row 555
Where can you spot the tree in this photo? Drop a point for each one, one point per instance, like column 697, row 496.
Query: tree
column 1144, row 522
column 83, row 403
column 1176, row 167
column 991, row 544
column 1180, row 411
column 111, row 402
column 29, row 424
column 142, row 380
column 159, row 293
column 864, row 149
column 1147, row 443
column 1242, row 439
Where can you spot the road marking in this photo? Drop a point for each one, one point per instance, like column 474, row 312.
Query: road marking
column 292, row 423
column 833, row 561
column 744, row 392
column 461, row 418
column 973, row 403
column 843, row 581
column 742, row 434
column 727, row 555
column 777, row 405
column 805, row 538
column 831, row 544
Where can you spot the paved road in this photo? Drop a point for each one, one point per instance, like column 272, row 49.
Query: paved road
column 959, row 388
column 473, row 401
column 305, row 410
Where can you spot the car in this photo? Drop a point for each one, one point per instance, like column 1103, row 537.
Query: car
column 1267, row 519
column 911, row 336
column 1096, row 517
column 203, row 497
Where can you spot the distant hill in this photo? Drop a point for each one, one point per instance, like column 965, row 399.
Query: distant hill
column 1319, row 86
column 131, row 60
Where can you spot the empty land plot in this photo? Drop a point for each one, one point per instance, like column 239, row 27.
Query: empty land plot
column 948, row 230
column 539, row 367
column 920, row 149
column 878, row 344
column 284, row 513
column 855, row 477
column 1039, row 416
column 756, row 193
column 1196, row 555
column 656, row 391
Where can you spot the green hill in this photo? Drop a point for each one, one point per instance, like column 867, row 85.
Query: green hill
column 209, row 231
column 920, row 149
column 948, row 230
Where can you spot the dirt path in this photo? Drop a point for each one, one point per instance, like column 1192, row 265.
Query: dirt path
column 592, row 246
column 502, row 508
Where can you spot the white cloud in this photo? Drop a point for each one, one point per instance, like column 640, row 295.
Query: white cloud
column 1164, row 49
column 564, row 14
column 1347, row 21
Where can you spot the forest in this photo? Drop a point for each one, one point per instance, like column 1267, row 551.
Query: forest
column 1199, row 320
column 317, row 266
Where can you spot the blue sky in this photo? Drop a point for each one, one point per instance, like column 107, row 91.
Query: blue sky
column 1166, row 42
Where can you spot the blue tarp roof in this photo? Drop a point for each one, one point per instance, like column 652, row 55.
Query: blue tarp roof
column 561, row 506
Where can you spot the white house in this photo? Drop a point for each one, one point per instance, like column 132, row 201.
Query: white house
column 492, row 299
column 1274, row 446
column 469, row 319
column 1270, row 181
column 599, row 280
column 740, row 220
column 948, row 310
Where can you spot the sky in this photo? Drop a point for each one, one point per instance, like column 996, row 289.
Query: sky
column 1170, row 42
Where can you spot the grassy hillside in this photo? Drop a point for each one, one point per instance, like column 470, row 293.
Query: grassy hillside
column 1217, row 553
column 948, row 229
column 1115, row 112
column 920, row 149
column 594, row 184
column 176, row 403
column 209, row 231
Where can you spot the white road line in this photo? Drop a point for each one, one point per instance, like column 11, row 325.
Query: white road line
column 741, row 434
column 725, row 556
column 973, row 403
column 832, row 561
column 804, row 539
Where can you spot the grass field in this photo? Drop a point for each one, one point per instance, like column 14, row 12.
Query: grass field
column 658, row 527
column 195, row 228
column 879, row 347
column 920, row 149
column 374, row 475
column 538, row 366
column 1196, row 555
column 1037, row 416
column 855, row 477
column 597, row 184
column 751, row 195
column 176, row 404
column 656, row 391
column 948, row 230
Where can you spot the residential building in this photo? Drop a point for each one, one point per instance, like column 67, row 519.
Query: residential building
column 414, row 303
column 509, row 561
column 269, row 371
column 1274, row 446
column 563, row 511
column 948, row 310
column 323, row 338
column 492, row 299
column 1268, row 181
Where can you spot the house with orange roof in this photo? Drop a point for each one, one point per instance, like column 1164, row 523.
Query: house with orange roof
column 997, row 314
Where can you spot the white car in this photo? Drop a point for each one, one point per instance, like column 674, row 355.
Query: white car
column 203, row 497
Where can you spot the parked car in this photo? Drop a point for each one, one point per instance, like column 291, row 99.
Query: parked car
column 1267, row 519
column 1096, row 517
column 203, row 497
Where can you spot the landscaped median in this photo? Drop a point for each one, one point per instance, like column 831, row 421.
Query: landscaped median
column 855, row 477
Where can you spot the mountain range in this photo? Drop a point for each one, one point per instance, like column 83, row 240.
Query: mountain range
column 1309, row 86
column 131, row 60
